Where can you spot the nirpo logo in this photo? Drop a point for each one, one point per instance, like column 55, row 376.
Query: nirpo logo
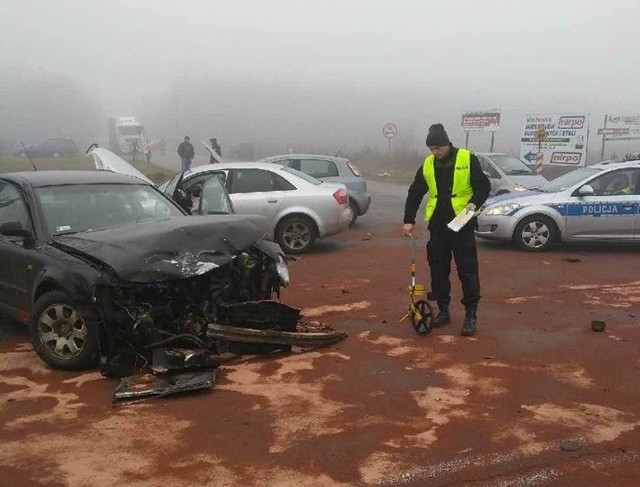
column 571, row 122
column 566, row 158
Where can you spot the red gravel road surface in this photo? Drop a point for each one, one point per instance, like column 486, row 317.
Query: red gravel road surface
column 535, row 399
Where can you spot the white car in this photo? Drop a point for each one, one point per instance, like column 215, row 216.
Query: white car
column 300, row 208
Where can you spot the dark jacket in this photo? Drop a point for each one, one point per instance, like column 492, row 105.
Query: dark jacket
column 444, row 213
column 185, row 150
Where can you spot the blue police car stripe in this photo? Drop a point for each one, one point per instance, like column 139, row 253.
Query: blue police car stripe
column 596, row 209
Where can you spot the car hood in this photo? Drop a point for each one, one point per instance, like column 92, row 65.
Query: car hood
column 524, row 197
column 175, row 248
column 105, row 160
column 528, row 180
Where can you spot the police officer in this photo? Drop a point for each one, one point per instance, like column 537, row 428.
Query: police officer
column 454, row 181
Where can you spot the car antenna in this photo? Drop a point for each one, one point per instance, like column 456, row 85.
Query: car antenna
column 29, row 156
column 340, row 150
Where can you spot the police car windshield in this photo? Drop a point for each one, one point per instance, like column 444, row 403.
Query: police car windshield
column 568, row 180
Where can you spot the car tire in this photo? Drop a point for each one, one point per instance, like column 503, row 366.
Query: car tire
column 536, row 233
column 354, row 213
column 63, row 332
column 296, row 234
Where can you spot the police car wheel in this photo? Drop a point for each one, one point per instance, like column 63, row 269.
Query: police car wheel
column 535, row 233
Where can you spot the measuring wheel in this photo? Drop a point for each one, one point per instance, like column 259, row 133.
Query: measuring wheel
column 422, row 318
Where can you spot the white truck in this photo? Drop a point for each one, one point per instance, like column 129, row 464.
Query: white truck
column 126, row 134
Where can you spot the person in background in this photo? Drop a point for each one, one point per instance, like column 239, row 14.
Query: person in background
column 148, row 146
column 455, row 182
column 186, row 153
column 135, row 150
column 216, row 147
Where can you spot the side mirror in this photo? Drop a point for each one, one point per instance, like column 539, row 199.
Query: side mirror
column 586, row 190
column 13, row 228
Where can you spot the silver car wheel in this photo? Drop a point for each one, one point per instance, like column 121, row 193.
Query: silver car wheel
column 535, row 234
column 63, row 331
column 296, row 236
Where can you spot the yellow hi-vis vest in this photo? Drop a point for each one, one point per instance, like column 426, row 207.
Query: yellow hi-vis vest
column 461, row 193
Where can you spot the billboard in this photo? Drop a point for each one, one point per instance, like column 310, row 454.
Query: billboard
column 558, row 139
column 485, row 121
column 622, row 127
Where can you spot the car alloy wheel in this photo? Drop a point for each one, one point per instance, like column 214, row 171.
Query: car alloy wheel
column 295, row 235
column 62, row 330
column 536, row 233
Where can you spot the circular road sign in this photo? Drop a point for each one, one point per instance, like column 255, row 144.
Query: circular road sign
column 389, row 130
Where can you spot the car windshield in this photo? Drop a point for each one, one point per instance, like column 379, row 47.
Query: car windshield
column 302, row 175
column 568, row 180
column 130, row 130
column 89, row 207
column 510, row 165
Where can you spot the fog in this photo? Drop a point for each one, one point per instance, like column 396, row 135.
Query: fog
column 308, row 75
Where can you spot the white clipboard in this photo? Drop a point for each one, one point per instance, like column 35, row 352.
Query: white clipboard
column 461, row 220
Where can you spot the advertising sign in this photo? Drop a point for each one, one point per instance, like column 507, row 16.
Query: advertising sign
column 485, row 121
column 622, row 127
column 555, row 139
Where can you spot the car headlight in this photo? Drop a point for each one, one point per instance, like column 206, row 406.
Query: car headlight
column 504, row 209
column 283, row 271
column 519, row 187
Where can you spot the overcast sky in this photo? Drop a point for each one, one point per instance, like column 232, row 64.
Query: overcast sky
column 413, row 61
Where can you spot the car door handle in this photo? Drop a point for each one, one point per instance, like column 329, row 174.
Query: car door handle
column 272, row 200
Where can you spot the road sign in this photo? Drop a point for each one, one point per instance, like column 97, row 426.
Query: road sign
column 541, row 133
column 613, row 131
column 389, row 130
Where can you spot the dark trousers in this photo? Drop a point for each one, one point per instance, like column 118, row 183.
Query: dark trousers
column 441, row 246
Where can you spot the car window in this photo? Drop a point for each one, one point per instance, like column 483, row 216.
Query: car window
column 616, row 183
column 568, row 180
column 319, row 168
column 487, row 167
column 251, row 181
column 12, row 205
column 194, row 184
column 511, row 166
column 301, row 175
column 215, row 200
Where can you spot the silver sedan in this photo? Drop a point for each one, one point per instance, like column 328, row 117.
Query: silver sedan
column 301, row 209
column 596, row 203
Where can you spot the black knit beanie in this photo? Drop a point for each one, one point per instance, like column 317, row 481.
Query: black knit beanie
column 437, row 136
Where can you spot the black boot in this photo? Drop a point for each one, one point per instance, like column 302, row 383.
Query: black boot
column 443, row 317
column 470, row 323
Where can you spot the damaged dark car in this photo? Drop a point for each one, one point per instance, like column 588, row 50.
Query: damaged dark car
column 104, row 268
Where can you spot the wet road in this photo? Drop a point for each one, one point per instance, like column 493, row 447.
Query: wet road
column 384, row 407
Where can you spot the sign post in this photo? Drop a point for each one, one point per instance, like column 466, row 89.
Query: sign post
column 389, row 130
column 482, row 121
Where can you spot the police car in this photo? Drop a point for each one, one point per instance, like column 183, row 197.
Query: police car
column 593, row 203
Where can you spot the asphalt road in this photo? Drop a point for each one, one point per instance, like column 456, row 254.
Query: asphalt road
column 535, row 399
